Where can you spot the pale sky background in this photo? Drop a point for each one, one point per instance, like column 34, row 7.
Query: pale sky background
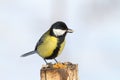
column 94, row 45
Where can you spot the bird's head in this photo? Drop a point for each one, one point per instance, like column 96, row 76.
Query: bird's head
column 60, row 28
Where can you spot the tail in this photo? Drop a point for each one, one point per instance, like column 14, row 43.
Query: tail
column 29, row 53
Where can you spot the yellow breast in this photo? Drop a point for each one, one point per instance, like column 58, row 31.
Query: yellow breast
column 47, row 47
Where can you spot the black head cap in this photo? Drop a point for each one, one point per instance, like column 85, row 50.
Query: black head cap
column 59, row 25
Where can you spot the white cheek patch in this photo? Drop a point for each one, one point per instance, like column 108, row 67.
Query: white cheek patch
column 59, row 32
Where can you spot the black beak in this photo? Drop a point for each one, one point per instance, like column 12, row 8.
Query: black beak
column 69, row 31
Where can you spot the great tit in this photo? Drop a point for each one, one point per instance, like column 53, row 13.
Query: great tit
column 52, row 42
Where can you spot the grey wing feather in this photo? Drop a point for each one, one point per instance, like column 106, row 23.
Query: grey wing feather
column 41, row 40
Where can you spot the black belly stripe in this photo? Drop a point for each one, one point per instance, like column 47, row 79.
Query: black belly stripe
column 56, row 51
column 54, row 54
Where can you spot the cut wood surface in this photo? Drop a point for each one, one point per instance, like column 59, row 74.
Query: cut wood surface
column 59, row 71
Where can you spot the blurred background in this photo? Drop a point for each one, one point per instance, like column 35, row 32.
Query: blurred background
column 94, row 45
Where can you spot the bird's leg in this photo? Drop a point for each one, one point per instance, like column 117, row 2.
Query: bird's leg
column 45, row 61
column 55, row 60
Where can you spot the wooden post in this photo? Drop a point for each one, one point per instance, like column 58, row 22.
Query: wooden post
column 59, row 71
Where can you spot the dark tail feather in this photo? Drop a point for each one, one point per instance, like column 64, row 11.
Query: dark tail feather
column 29, row 53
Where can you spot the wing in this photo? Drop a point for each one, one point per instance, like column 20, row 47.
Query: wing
column 42, row 39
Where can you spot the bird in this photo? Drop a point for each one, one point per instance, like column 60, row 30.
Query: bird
column 52, row 42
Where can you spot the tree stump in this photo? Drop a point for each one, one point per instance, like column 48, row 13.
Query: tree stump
column 59, row 71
